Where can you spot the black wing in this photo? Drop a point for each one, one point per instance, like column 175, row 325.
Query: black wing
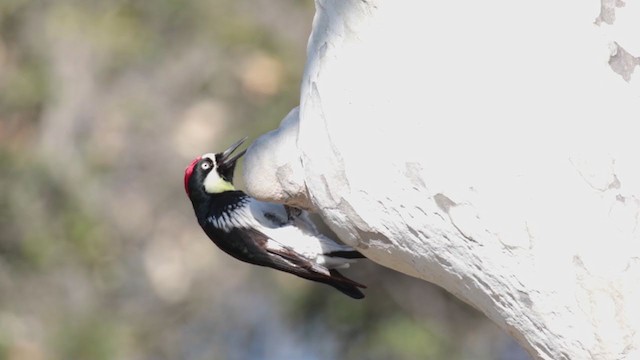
column 250, row 246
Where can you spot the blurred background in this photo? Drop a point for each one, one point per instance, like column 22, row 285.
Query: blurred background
column 102, row 105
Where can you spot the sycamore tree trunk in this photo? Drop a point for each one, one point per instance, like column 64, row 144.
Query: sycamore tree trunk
column 492, row 148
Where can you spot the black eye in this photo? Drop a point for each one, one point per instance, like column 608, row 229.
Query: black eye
column 206, row 165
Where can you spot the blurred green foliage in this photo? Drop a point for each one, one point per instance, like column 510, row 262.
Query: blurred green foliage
column 42, row 223
column 87, row 339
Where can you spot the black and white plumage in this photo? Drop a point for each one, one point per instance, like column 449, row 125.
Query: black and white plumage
column 262, row 233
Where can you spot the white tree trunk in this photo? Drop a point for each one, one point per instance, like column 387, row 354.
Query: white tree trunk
column 491, row 148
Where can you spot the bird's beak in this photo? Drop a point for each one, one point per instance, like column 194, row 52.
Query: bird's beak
column 226, row 160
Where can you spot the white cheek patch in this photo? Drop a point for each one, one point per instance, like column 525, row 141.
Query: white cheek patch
column 213, row 183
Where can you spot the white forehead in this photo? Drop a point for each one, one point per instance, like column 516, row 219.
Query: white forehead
column 210, row 156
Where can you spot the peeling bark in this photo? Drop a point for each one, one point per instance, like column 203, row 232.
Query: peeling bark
column 622, row 62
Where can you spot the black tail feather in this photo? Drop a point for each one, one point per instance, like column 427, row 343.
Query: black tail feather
column 352, row 254
column 345, row 285
column 349, row 290
column 338, row 281
column 337, row 277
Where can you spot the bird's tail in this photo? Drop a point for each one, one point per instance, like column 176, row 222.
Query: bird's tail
column 345, row 285
column 346, row 254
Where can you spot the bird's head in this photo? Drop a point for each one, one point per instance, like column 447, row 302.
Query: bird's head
column 212, row 173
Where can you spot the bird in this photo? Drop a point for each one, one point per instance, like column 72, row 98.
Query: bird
column 262, row 233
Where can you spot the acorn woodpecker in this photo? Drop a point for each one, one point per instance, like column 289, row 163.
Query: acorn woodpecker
column 262, row 233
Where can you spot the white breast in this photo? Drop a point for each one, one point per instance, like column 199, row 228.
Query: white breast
column 299, row 234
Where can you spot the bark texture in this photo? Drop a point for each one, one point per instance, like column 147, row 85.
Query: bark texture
column 488, row 147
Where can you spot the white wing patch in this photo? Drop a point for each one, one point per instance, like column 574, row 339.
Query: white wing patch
column 268, row 214
column 272, row 220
